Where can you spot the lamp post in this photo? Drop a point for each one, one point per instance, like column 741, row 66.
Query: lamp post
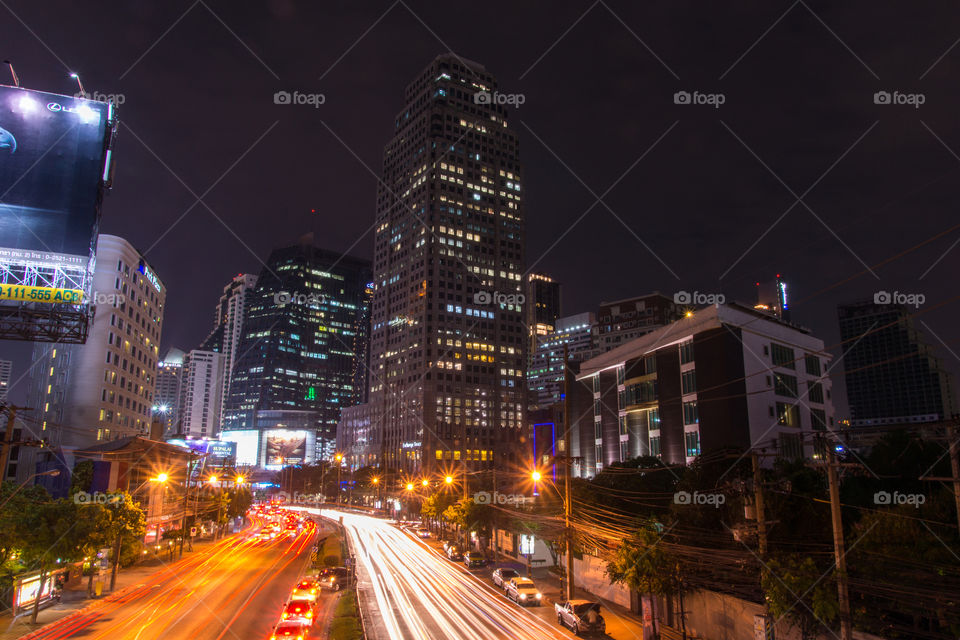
column 339, row 459
column 216, row 527
column 567, row 500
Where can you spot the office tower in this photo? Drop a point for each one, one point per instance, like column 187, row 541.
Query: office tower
column 6, row 367
column 104, row 389
column 545, row 375
column 296, row 363
column 166, row 400
column 624, row 320
column 891, row 373
column 726, row 376
column 541, row 309
column 772, row 297
column 228, row 326
column 200, row 389
column 448, row 337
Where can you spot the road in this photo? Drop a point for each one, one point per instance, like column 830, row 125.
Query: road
column 234, row 590
column 420, row 596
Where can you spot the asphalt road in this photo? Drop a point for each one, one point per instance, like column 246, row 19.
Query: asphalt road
column 234, row 590
column 418, row 595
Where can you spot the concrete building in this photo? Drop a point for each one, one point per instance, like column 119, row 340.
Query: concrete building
column 624, row 320
column 6, row 369
column 891, row 373
column 200, row 394
column 448, row 333
column 297, row 364
column 104, row 389
column 545, row 375
column 166, row 400
column 726, row 376
column 541, row 308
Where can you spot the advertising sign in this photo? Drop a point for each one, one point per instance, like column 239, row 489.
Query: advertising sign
column 53, row 158
column 285, row 447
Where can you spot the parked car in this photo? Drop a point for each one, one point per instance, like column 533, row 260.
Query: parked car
column 503, row 575
column 474, row 559
column 454, row 553
column 447, row 544
column 523, row 592
column 581, row 616
column 335, row 579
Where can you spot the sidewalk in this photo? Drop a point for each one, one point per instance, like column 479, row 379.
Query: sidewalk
column 74, row 595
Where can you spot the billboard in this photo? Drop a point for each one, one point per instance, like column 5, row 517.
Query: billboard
column 218, row 452
column 55, row 162
column 285, row 446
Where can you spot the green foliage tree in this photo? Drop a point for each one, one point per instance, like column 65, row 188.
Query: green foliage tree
column 795, row 589
column 644, row 564
column 240, row 499
column 82, row 477
column 125, row 527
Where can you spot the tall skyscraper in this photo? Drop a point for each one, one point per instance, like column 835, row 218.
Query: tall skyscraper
column 166, row 400
column 891, row 373
column 228, row 326
column 448, row 337
column 104, row 389
column 772, row 297
column 545, row 375
column 296, row 361
column 6, row 367
column 541, row 309
column 199, row 406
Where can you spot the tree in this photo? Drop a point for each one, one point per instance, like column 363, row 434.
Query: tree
column 126, row 526
column 644, row 564
column 795, row 589
column 240, row 499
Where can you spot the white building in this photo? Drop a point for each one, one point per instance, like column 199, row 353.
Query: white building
column 726, row 376
column 200, row 393
column 104, row 389
column 166, row 400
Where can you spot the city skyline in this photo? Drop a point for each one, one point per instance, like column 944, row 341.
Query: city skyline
column 760, row 131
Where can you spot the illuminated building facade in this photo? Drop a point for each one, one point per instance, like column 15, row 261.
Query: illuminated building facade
column 298, row 356
column 545, row 375
column 541, row 306
column 448, row 335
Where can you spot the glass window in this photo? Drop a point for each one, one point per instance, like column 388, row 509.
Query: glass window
column 650, row 364
column 620, row 375
column 818, row 419
column 688, row 380
column 785, row 385
column 655, row 445
column 782, row 356
column 690, row 415
column 692, row 441
column 815, row 392
column 788, row 415
column 686, row 352
column 813, row 365
column 791, row 446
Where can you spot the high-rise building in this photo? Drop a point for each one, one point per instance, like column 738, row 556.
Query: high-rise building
column 448, row 337
column 772, row 297
column 545, row 375
column 624, row 320
column 296, row 363
column 200, row 386
column 891, row 373
column 541, row 307
column 228, row 326
column 726, row 376
column 6, row 367
column 104, row 389
column 166, row 400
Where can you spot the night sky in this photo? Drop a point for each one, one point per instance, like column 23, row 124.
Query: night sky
column 694, row 197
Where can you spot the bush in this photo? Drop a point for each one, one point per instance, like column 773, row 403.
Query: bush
column 346, row 618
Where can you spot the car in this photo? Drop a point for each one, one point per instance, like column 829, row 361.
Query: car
column 336, row 578
column 298, row 610
column 503, row 575
column 421, row 533
column 294, row 629
column 523, row 592
column 454, row 553
column 581, row 616
column 266, row 535
column 447, row 544
column 474, row 559
column 306, row 589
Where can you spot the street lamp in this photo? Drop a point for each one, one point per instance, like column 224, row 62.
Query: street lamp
column 161, row 477
column 424, row 482
column 339, row 458
column 448, row 479
column 409, row 486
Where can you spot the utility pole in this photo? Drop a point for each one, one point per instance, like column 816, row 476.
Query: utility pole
column 843, row 595
column 186, row 498
column 568, row 463
column 8, row 438
column 758, row 505
column 954, row 461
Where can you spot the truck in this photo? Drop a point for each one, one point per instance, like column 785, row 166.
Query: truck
column 581, row 616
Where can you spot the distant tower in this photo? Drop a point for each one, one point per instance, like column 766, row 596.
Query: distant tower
column 772, row 298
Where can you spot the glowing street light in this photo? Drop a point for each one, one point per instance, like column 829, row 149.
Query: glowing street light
column 161, row 477
column 448, row 479
column 424, row 482
column 240, row 480
column 376, row 480
column 409, row 486
column 212, row 479
column 536, row 476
